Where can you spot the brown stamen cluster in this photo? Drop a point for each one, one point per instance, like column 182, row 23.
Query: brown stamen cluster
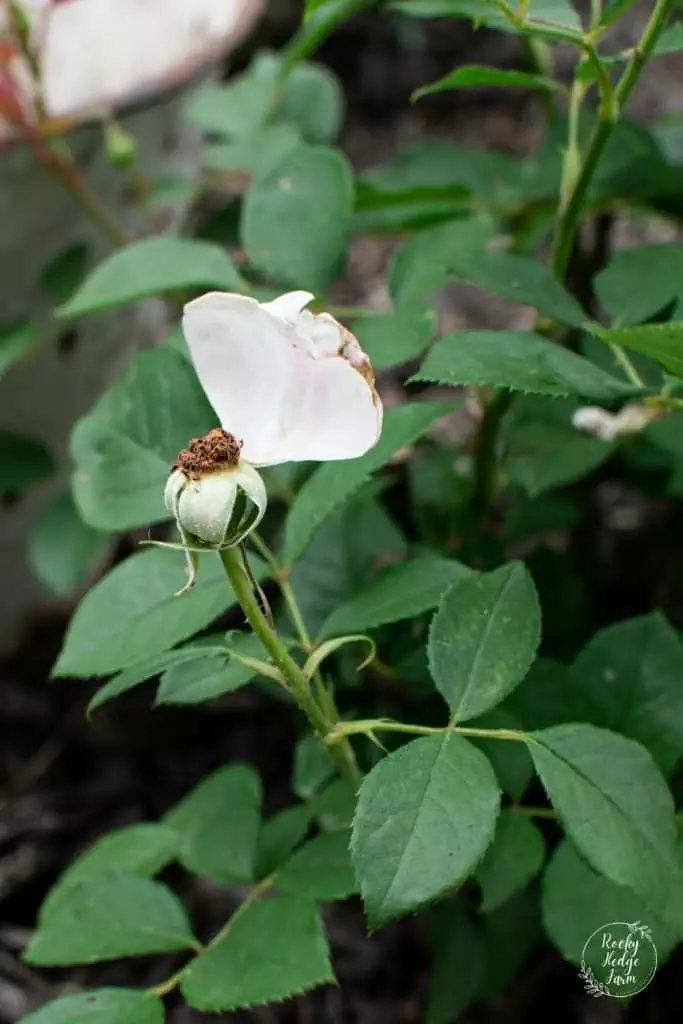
column 209, row 454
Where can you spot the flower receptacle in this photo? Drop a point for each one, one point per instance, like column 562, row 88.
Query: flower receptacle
column 216, row 497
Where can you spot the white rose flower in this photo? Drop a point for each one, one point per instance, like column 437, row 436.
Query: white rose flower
column 291, row 386
column 286, row 385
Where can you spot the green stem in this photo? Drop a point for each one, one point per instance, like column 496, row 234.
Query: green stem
column 535, row 812
column 61, row 164
column 539, row 56
column 370, row 725
column 292, row 674
column 569, row 217
column 295, row 613
column 626, row 365
column 571, row 167
column 255, row 894
column 318, row 27
column 490, row 734
column 596, row 13
column 486, row 458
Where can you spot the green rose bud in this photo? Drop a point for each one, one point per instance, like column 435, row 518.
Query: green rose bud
column 216, row 498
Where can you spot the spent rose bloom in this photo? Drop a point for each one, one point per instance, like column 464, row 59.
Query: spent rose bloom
column 287, row 386
column 290, row 385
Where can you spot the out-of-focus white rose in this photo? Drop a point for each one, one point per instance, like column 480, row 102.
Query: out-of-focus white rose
column 95, row 56
column 288, row 384
column 609, row 426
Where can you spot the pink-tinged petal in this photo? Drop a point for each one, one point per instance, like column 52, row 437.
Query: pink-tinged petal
column 97, row 55
column 246, row 366
column 332, row 413
column 288, row 306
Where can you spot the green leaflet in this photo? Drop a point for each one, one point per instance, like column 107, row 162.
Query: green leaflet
column 276, row 949
column 483, row 639
column 426, row 814
column 151, row 266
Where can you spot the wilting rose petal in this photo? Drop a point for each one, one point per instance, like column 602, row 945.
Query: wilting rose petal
column 334, row 414
column 290, row 385
column 242, row 359
column 288, row 306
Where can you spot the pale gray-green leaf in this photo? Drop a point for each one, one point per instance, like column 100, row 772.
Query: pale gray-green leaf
column 313, row 100
column 252, row 155
column 296, row 217
column 150, row 267
column 670, row 41
column 393, row 339
column 62, row 549
column 123, row 450
column 423, row 266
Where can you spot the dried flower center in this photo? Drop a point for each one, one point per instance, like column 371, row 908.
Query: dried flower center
column 215, row 451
